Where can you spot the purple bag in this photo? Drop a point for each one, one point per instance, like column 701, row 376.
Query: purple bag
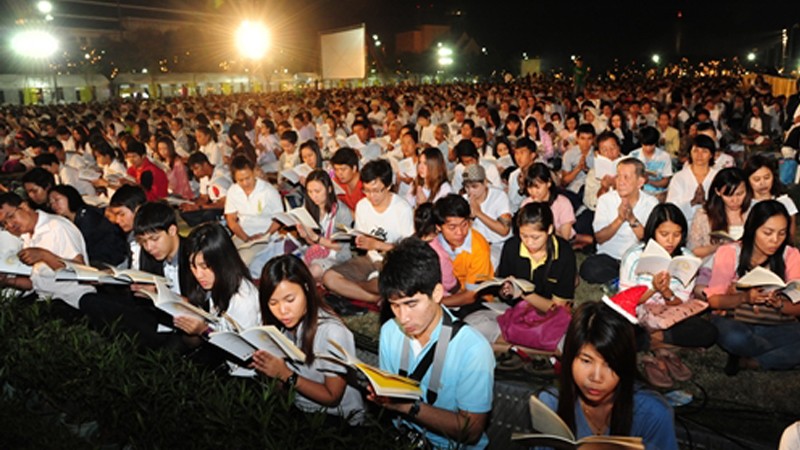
column 525, row 325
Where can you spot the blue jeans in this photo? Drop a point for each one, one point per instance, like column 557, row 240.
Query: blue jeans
column 775, row 347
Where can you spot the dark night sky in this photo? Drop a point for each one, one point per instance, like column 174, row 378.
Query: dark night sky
column 598, row 30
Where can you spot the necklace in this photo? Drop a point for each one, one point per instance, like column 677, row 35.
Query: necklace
column 596, row 429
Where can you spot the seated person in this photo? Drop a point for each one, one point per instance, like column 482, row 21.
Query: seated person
column 618, row 221
column 290, row 302
column 152, row 179
column 105, row 242
column 214, row 184
column 541, row 188
column 382, row 214
column 63, row 174
column 456, row 404
column 121, row 211
column 37, row 183
column 657, row 162
column 756, row 327
column 177, row 176
column 608, row 146
column 490, row 209
column 597, row 394
column 49, row 239
column 425, row 229
column 345, row 170
column 467, row 155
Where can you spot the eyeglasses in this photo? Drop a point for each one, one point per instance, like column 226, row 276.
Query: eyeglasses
column 8, row 217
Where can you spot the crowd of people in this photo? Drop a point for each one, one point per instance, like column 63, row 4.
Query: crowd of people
column 293, row 209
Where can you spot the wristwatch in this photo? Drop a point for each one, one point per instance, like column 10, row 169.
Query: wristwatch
column 635, row 223
column 291, row 382
column 415, row 407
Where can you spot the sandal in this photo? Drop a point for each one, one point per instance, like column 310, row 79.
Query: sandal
column 655, row 372
column 677, row 369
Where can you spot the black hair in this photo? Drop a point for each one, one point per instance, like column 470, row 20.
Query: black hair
column 241, row 162
column 649, row 136
column 290, row 268
column 759, row 160
column 411, row 267
column 10, row 198
column 666, row 212
column 379, row 169
column 221, row 256
column 466, row 148
column 135, row 146
column 424, row 220
column 290, row 136
column 539, row 172
column 322, row 177
column 312, row 144
column 74, row 200
column 39, row 177
column 726, row 181
column 153, row 217
column 345, row 156
column 608, row 135
column 759, row 214
column 612, row 336
column 45, row 159
column 129, row 196
column 586, row 128
column 197, row 158
column 525, row 142
column 451, row 205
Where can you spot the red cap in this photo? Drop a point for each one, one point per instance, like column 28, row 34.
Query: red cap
column 625, row 302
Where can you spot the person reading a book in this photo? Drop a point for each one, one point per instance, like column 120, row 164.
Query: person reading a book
column 105, row 242
column 536, row 253
column 758, row 327
column 761, row 172
column 289, row 300
column 667, row 310
column 382, row 219
column 540, row 187
column 330, row 213
column 346, row 176
column 149, row 176
column 220, row 283
column 457, row 386
column 48, row 242
column 608, row 147
column 121, row 211
column 214, row 184
column 597, row 393
column 37, row 183
column 724, row 213
column 431, row 182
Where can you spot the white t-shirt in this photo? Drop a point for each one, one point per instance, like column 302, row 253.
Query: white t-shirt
column 495, row 205
column 243, row 307
column 62, row 238
column 216, row 186
column 492, row 175
column 514, row 197
column 607, row 211
column 682, row 188
column 255, row 211
column 69, row 175
column 393, row 224
column 213, row 153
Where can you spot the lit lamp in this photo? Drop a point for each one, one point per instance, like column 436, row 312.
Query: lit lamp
column 445, row 56
column 252, row 40
column 38, row 45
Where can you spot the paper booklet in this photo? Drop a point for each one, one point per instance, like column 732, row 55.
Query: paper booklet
column 294, row 174
column 174, row 305
column 721, row 237
column 604, row 166
column 554, row 433
column 299, row 215
column 384, row 384
column 81, row 272
column 346, row 233
column 268, row 338
column 11, row 265
column 408, row 167
column 655, row 259
column 265, row 239
column 521, row 286
column 768, row 280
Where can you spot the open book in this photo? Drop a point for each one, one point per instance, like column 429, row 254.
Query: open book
column 299, row 215
column 768, row 280
column 721, row 237
column 384, row 384
column 346, row 233
column 556, row 434
column 604, row 166
column 81, row 272
column 264, row 239
column 294, row 174
column 520, row 286
column 174, row 305
column 11, row 265
column 655, row 259
column 408, row 167
column 268, row 338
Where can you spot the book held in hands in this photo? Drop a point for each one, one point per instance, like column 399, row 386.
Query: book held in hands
column 655, row 259
column 768, row 280
column 244, row 344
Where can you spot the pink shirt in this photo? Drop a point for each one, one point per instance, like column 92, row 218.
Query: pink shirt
column 726, row 260
column 178, row 180
column 562, row 211
column 448, row 276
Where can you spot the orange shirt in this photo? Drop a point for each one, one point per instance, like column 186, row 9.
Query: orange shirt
column 473, row 266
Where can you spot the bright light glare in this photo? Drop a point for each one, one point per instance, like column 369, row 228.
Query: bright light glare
column 34, row 44
column 656, row 59
column 445, row 61
column 444, row 51
column 751, row 56
column 252, row 39
column 44, row 7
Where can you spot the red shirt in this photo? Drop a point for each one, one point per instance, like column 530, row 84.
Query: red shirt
column 350, row 198
column 159, row 184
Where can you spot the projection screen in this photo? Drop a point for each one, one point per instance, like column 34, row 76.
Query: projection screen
column 344, row 53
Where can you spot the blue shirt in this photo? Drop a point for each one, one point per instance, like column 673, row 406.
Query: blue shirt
column 652, row 419
column 467, row 380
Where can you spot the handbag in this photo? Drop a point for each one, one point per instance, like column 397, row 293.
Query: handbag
column 524, row 325
column 657, row 316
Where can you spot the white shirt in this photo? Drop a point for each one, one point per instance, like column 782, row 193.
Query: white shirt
column 393, row 224
column 254, row 211
column 682, row 188
column 607, row 211
column 494, row 205
column 492, row 175
column 514, row 197
column 571, row 159
column 216, row 186
column 213, row 153
column 71, row 176
column 243, row 307
column 62, row 238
